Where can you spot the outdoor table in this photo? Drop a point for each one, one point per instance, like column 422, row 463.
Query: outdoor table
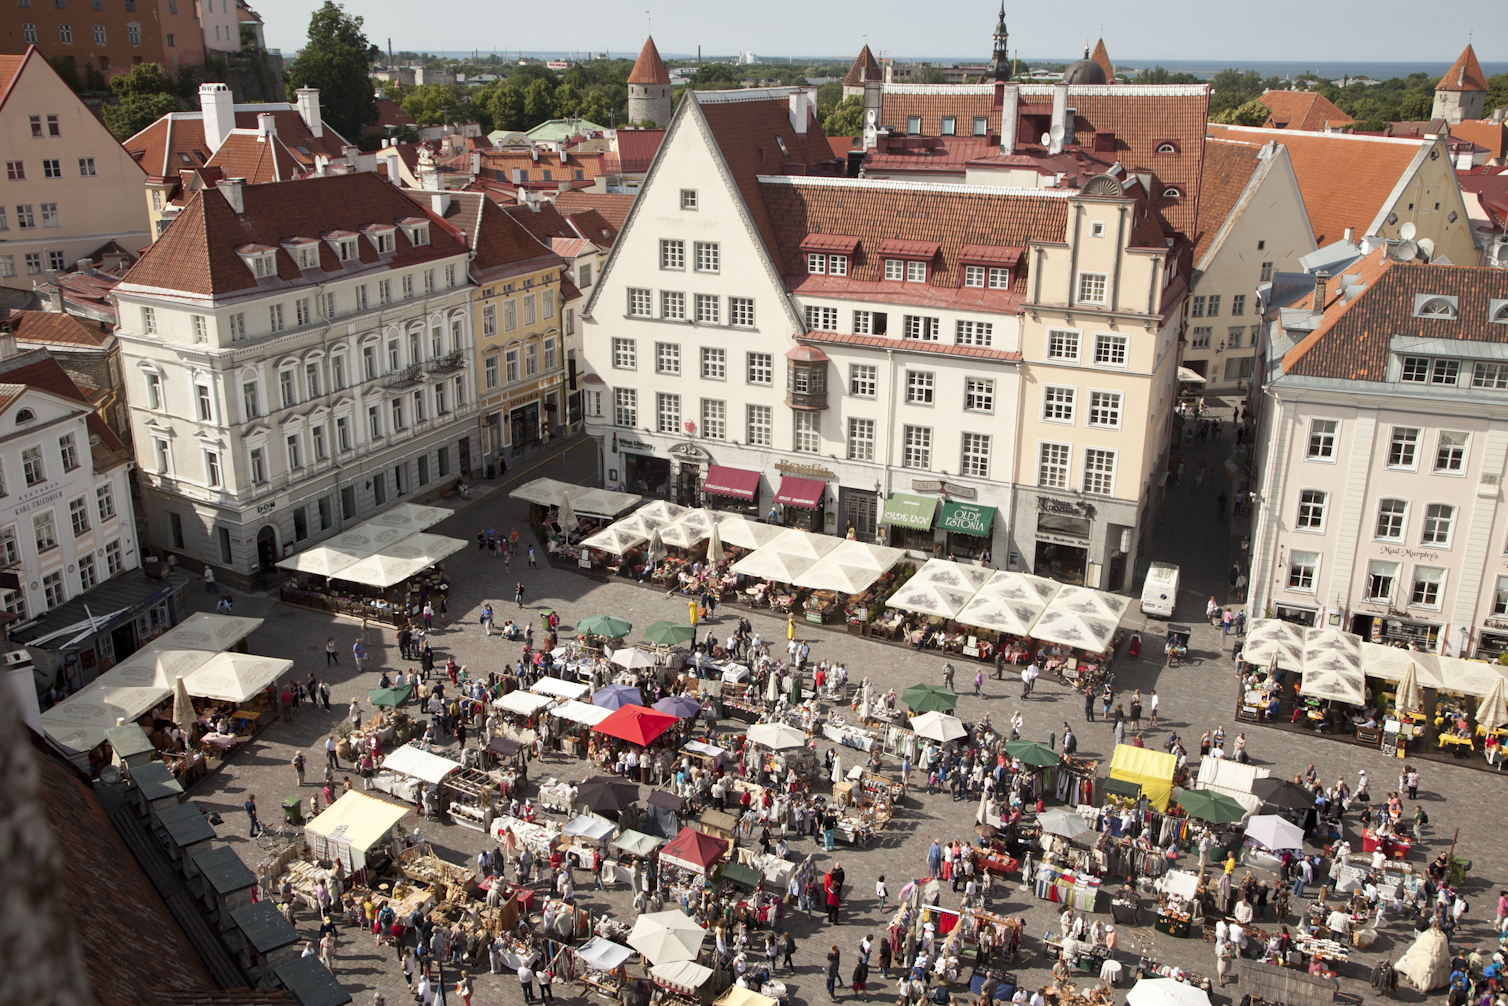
column 267, row 940
column 156, row 788
column 1461, row 744
column 311, row 983
column 228, row 882
column 189, row 833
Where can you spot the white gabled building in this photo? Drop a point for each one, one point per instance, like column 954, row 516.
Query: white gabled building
column 298, row 356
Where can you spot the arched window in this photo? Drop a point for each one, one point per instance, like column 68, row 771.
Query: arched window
column 1172, row 192
column 1437, row 307
column 1500, row 316
column 25, row 416
column 1167, row 147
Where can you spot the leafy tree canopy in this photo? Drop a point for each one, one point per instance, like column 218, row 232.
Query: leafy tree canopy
column 143, row 95
column 1252, row 113
column 847, row 119
column 715, row 77
column 336, row 60
column 432, row 104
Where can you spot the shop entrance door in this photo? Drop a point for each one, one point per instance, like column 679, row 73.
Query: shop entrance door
column 862, row 508
column 267, row 548
column 463, row 448
column 686, row 487
column 1063, row 563
column 525, row 426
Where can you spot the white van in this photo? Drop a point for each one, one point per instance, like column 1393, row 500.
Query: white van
column 1159, row 593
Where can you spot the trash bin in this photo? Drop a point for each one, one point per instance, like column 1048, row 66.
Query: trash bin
column 293, row 810
column 491, row 473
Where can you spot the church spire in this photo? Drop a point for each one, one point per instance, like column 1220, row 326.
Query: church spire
column 1000, row 65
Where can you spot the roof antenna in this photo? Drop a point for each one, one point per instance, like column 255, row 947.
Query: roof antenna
column 649, row 21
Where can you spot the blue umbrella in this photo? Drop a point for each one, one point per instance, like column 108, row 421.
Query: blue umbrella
column 617, row 696
column 683, row 706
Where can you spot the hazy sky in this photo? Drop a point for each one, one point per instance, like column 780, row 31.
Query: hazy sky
column 1214, row 30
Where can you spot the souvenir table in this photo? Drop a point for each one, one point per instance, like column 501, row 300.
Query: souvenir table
column 1393, row 846
column 836, row 730
column 539, row 838
column 1067, row 886
column 1087, row 956
column 1148, row 968
column 1329, row 951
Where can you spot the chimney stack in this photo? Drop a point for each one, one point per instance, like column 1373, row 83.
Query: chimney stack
column 308, row 110
column 267, row 125
column 1010, row 113
column 219, row 107
column 1321, row 279
column 234, row 190
column 1059, row 115
column 439, row 202
column 1350, row 235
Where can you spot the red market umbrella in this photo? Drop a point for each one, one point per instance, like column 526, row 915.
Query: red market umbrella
column 636, row 724
column 693, row 850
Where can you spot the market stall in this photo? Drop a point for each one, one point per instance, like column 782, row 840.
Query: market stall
column 668, row 936
column 560, row 689
column 687, row 860
column 586, row 841
column 661, row 812
column 406, row 771
column 574, row 721
column 356, row 829
column 602, row 967
column 1151, row 770
column 1176, row 894
column 865, row 806
column 687, row 983
column 633, row 849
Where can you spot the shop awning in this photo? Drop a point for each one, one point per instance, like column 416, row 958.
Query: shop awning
column 636, row 724
column 908, row 510
column 523, row 703
column 805, row 493
column 967, row 518
column 1121, row 787
column 739, row 483
column 1151, row 770
column 636, row 843
column 560, row 689
column 594, row 829
column 740, row 874
column 580, row 712
column 409, row 760
column 353, row 825
column 604, row 955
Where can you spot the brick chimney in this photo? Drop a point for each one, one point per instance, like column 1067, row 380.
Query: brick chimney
column 234, row 190
column 1321, row 280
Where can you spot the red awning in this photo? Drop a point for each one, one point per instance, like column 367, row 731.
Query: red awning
column 840, row 243
column 636, row 724
column 919, row 251
column 806, row 493
column 738, row 483
column 996, row 255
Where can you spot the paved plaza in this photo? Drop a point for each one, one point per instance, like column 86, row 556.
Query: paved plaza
column 1195, row 696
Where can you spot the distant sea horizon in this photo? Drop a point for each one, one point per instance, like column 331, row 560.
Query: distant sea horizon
column 1202, row 68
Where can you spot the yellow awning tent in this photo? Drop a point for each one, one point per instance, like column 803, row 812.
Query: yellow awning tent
column 1151, row 770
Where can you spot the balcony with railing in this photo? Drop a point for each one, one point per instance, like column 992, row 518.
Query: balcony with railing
column 410, row 375
column 451, row 361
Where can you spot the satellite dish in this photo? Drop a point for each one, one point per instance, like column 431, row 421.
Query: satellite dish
column 1426, row 248
column 1407, row 251
column 1057, row 131
column 869, row 116
column 1046, row 139
column 1407, row 231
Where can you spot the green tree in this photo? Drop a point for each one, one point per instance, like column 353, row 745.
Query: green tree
column 715, row 77
column 934, row 75
column 847, row 119
column 432, row 104
column 1253, row 113
column 506, row 106
column 336, row 60
column 829, row 96
column 539, row 102
column 142, row 96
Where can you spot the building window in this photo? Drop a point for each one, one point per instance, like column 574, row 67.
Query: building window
column 1202, row 335
column 52, row 168
column 442, row 405
column 981, row 125
column 10, row 547
column 510, row 365
column 625, row 355
column 741, row 311
column 672, row 254
column 133, row 34
column 916, row 272
column 978, row 394
column 975, row 333
column 895, row 268
column 714, row 363
column 714, row 419
column 1311, row 510
column 1058, row 403
column 919, row 387
column 688, row 199
column 1301, row 570
column 707, row 308
column 1238, row 304
column 822, row 319
column 863, row 379
column 973, row 275
column 1500, row 597
column 374, row 423
column 761, row 367
column 238, row 327
column 1415, row 369
column 1402, row 450
column 808, row 432
column 31, row 464
column 949, row 126
column 295, row 453
column 625, row 407
column 921, row 327
column 29, row 32
column 1214, row 307
column 1099, row 472
column 1266, row 272
column 1196, row 307
column 114, row 560
column 397, row 410
column 860, row 439
column 1322, row 439
column 69, row 452
column 419, row 413
column 1443, row 371
column 914, row 124
column 286, row 389
column 1489, row 375
column 65, row 36
column 211, row 469
column 672, row 305
column 1091, row 288
column 1105, row 409
column 275, row 317
column 531, row 359
column 46, row 534
column 53, row 590
column 668, row 412
column 1380, row 579
column 638, row 303
column 1052, row 466
column 761, row 418
column 88, row 573
column 1062, row 345
column 342, row 434
column 78, row 516
column 869, row 322
column 104, row 501
column 708, row 256
column 321, row 447
column 1390, row 519
column 1426, row 592
column 667, row 358
column 1450, row 453
column 1438, row 518
column 976, row 455
column 917, row 449
column 1110, row 350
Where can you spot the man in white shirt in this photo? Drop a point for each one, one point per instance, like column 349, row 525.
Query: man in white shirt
column 1028, row 678
column 1243, row 912
column 1037, row 1000
column 1238, row 936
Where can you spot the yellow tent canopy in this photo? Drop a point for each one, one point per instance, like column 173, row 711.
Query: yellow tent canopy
column 351, row 827
column 736, row 996
column 1151, row 770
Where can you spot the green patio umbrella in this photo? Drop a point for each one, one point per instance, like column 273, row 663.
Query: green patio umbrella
column 1032, row 753
column 390, row 698
column 1207, row 805
column 930, row 699
column 605, row 625
column 669, row 634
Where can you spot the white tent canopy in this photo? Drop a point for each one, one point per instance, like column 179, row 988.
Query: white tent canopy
column 235, row 677
column 155, row 667
column 682, row 974
column 794, row 541
column 604, row 955
column 667, row 936
column 367, row 538
column 954, row 575
column 930, row 599
column 1230, row 777
column 615, row 539
column 1275, row 833
column 593, row 828
column 1269, row 638
column 1166, row 992
column 857, row 553
column 410, row 760
column 584, row 500
column 412, row 516
column 581, row 712
column 79, row 722
column 523, row 703
column 1081, row 617
column 745, row 533
column 824, row 574
column 777, row 736
column 1332, row 666
column 206, row 631
column 1010, row 602
column 772, row 564
column 561, row 689
column 938, row 727
column 383, row 570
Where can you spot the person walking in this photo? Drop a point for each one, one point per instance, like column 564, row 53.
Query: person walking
column 1136, row 710
column 332, row 652
column 979, row 683
column 209, row 579
column 358, row 654
column 518, row 593
column 533, row 563
column 1089, row 705
column 255, row 827
column 298, row 766
column 526, row 982
column 332, row 758
column 1152, row 722
column 834, row 961
column 790, row 948
column 487, row 618
column 544, row 978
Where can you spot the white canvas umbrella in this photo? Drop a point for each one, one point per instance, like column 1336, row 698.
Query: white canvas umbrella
column 615, row 539
column 655, row 550
column 777, row 736
column 956, row 575
column 1409, row 698
column 794, row 541
column 183, row 709
column 746, row 533
column 714, row 545
column 567, row 516
column 685, row 532
column 1492, row 711
column 665, row 937
column 772, row 564
column 931, row 599
column 633, row 658
column 1166, row 992
column 938, row 727
column 1275, row 833
column 824, row 574
column 1062, row 822
column 864, row 555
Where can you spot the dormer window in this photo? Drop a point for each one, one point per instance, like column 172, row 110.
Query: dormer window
column 911, row 272
column 346, row 247
column 1497, row 312
column 305, row 251
column 1430, row 306
column 417, row 230
column 1167, row 146
column 260, row 259
column 383, row 238
column 1172, row 192
column 833, row 265
column 988, row 266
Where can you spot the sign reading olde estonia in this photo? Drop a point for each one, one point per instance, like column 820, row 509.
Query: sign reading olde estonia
column 967, row 518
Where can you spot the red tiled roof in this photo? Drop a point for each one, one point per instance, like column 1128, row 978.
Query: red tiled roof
column 841, row 244
column 548, row 169
column 613, row 206
column 593, row 226
column 1344, row 179
column 10, row 71
column 1490, row 136
column 649, row 68
column 865, row 67
column 637, row 148
column 177, row 139
column 1101, row 55
column 840, row 146
column 47, row 328
column 1307, row 110
column 879, row 212
column 949, row 154
column 907, row 345
column 257, row 159
column 501, row 244
column 921, row 251
column 989, row 255
column 569, row 291
column 1491, row 190
column 749, row 128
column 541, row 219
column 197, row 254
column 390, row 113
column 1228, row 167
column 38, row 368
column 1465, row 74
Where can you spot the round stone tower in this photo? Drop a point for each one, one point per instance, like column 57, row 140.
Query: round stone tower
column 649, row 88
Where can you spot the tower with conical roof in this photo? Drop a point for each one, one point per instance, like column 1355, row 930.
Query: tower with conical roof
column 1462, row 92
column 865, row 67
column 1101, row 55
column 1000, row 63
column 649, row 87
